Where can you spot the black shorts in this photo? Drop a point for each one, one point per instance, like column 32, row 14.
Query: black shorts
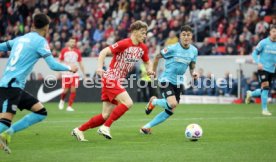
column 265, row 76
column 168, row 89
column 12, row 99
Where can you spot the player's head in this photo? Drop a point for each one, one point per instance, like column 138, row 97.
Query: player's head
column 186, row 35
column 41, row 22
column 272, row 32
column 139, row 30
column 72, row 42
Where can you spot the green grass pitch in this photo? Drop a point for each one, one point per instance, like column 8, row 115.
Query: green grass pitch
column 230, row 133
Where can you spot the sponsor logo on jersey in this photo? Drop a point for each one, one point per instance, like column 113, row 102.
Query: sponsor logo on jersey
column 169, row 92
column 47, row 47
column 165, row 50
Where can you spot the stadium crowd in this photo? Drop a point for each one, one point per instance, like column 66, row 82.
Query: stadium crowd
column 222, row 26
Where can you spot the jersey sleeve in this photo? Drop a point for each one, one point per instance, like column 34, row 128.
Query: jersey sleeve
column 259, row 47
column 7, row 46
column 118, row 46
column 167, row 52
column 43, row 49
column 145, row 56
column 256, row 52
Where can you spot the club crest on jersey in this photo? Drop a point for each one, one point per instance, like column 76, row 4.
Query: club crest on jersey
column 114, row 45
column 47, row 47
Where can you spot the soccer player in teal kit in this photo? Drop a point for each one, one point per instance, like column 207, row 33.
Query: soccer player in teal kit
column 179, row 57
column 265, row 56
column 25, row 52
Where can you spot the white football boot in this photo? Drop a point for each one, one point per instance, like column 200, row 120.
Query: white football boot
column 78, row 134
column 61, row 104
column 105, row 131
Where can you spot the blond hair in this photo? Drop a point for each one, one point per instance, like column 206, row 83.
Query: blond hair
column 137, row 25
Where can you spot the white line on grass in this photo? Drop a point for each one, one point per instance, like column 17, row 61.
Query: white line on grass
column 174, row 119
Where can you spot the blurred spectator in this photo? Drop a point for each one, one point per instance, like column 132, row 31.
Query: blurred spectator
column 171, row 39
column 266, row 8
column 253, row 83
column 243, row 46
column 206, row 48
column 107, row 21
column 261, row 27
column 230, row 47
column 211, row 85
column 199, row 84
column 226, row 86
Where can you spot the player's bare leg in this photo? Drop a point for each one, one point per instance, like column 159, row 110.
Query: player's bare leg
column 95, row 121
column 71, row 98
column 125, row 102
column 62, row 98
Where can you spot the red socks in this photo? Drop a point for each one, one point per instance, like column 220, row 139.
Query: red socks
column 72, row 98
column 99, row 120
column 92, row 123
column 116, row 114
column 62, row 96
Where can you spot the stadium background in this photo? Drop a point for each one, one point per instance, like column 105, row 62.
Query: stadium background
column 225, row 32
column 231, row 132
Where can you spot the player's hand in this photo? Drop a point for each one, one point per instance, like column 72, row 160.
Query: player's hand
column 260, row 66
column 195, row 75
column 100, row 71
column 74, row 68
column 150, row 73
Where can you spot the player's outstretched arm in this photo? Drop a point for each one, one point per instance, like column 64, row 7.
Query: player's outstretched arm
column 56, row 66
column 155, row 61
column 192, row 70
column 6, row 46
column 82, row 69
column 149, row 68
column 105, row 52
column 255, row 56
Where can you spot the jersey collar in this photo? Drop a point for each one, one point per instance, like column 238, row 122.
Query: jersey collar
column 182, row 45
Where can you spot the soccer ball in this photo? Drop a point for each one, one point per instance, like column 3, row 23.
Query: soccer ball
column 193, row 132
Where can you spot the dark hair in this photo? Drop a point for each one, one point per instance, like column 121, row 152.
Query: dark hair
column 40, row 20
column 186, row 28
column 272, row 26
column 137, row 25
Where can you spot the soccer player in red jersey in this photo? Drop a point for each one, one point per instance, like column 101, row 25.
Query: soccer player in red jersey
column 116, row 100
column 70, row 55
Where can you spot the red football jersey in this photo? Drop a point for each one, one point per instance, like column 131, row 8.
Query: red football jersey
column 125, row 55
column 72, row 56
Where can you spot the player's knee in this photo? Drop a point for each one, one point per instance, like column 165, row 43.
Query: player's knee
column 265, row 84
column 105, row 115
column 266, row 88
column 5, row 121
column 128, row 103
column 172, row 105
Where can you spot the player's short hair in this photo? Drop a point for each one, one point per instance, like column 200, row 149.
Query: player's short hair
column 40, row 20
column 186, row 28
column 137, row 25
column 272, row 26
